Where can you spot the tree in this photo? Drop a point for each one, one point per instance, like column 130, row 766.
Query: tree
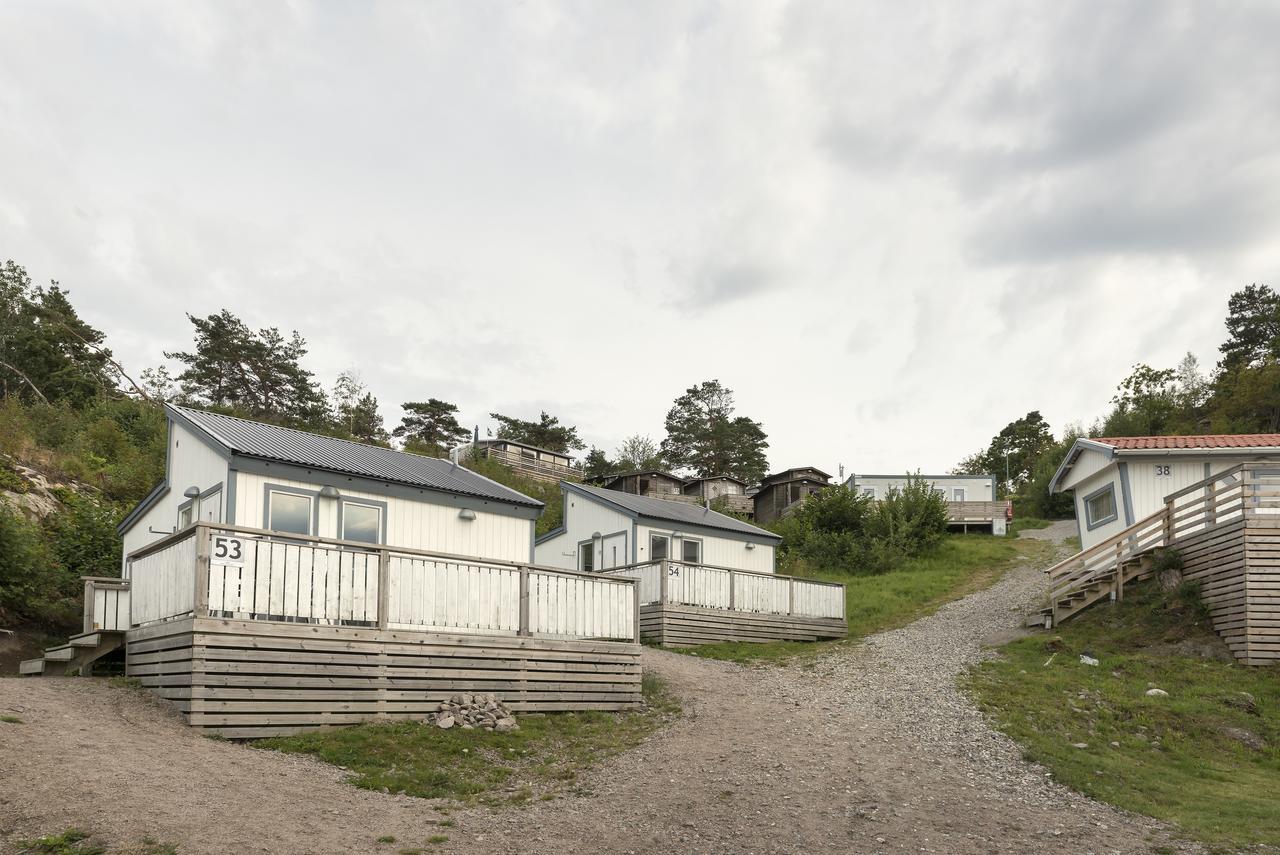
column 355, row 410
column 704, row 436
column 430, row 426
column 639, row 453
column 255, row 373
column 47, row 352
column 1253, row 328
column 1151, row 402
column 1012, row 453
column 1246, row 391
column 597, row 465
column 546, row 433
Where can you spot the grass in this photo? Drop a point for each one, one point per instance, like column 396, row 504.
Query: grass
column 1026, row 524
column 73, row 841
column 1174, row 758
column 10, row 719
column 962, row 564
column 544, row 757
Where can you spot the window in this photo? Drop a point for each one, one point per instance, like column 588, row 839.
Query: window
column 658, row 547
column 587, row 556
column 1100, row 506
column 691, row 551
column 362, row 523
column 289, row 512
column 957, row 494
column 941, row 491
column 869, row 492
column 184, row 516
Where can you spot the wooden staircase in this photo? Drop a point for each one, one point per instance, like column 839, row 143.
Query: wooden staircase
column 1102, row 571
column 75, row 657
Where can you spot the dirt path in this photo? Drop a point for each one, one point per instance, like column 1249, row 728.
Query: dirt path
column 869, row 749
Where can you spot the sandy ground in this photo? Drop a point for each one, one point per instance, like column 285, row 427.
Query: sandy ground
column 870, row 749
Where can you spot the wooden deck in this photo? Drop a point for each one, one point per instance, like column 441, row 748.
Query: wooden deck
column 541, row 470
column 252, row 634
column 1226, row 528
column 683, row 604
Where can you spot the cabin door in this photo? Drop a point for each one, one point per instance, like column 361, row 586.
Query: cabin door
column 614, row 551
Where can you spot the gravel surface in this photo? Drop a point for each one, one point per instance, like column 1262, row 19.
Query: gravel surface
column 870, row 748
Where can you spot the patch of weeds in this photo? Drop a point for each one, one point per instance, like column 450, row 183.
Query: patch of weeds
column 125, row 682
column 409, row 852
column 547, row 754
column 73, row 841
column 446, row 823
column 437, row 839
column 151, row 846
column 10, row 719
column 386, row 838
column 1205, row 756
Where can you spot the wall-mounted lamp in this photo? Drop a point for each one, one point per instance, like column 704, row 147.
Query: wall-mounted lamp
column 466, row 514
column 328, row 491
column 191, row 493
column 751, row 546
column 595, row 535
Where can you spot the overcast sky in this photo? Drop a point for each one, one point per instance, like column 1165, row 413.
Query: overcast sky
column 889, row 232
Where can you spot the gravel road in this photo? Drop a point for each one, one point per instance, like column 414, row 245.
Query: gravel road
column 868, row 749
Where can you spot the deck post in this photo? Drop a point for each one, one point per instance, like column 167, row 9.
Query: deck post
column 203, row 535
column 663, row 569
column 88, row 606
column 635, row 593
column 384, row 588
column 524, row 601
column 1168, row 522
column 732, row 592
column 791, row 595
column 1119, row 572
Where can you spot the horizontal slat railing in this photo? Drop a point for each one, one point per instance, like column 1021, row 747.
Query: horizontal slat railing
column 252, row 574
column 709, row 586
column 1220, row 499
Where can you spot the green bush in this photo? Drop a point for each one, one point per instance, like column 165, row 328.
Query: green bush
column 24, row 566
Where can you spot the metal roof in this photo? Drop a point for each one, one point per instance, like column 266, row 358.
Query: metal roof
column 676, row 512
column 270, row 442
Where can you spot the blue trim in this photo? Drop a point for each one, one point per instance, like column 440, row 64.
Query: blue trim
column 269, row 488
column 1115, row 508
column 1125, row 494
column 229, row 517
column 156, row 494
column 1077, row 448
column 343, row 501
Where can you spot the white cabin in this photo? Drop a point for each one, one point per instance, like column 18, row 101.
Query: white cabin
column 952, row 488
column 224, row 469
column 604, row 529
column 1118, row 481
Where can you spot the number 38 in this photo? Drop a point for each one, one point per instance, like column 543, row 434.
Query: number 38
column 1163, row 470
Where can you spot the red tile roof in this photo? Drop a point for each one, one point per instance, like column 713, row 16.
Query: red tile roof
column 1239, row 440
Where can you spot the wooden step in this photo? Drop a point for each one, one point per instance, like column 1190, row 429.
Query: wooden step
column 31, row 667
column 65, row 653
column 88, row 639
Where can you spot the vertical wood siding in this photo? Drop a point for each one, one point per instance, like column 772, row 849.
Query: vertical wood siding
column 410, row 523
column 582, row 518
column 723, row 551
column 163, row 584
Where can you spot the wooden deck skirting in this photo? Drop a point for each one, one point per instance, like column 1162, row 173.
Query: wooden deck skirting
column 684, row 626
column 249, row 679
column 1227, row 531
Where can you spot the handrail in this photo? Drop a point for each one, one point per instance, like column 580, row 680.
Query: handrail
column 1200, row 485
column 718, row 567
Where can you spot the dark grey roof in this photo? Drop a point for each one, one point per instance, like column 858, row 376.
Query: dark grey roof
column 677, row 512
column 269, row 442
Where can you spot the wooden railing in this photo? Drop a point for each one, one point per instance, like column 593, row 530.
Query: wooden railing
column 106, row 604
column 977, row 511
column 534, row 466
column 708, row 586
column 1217, row 500
column 244, row 573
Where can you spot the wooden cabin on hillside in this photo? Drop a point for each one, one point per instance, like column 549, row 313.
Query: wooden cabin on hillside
column 725, row 490
column 971, row 499
column 781, row 492
column 529, row 460
column 273, row 574
column 653, row 483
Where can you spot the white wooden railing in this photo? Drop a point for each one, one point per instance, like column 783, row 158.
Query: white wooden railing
column 1228, row 496
column 708, row 586
column 252, row 574
column 106, row 604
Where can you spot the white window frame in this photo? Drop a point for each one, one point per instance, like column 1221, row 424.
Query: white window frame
column 959, row 494
column 654, row 537
column 587, row 556
column 685, row 541
column 186, row 515
column 869, row 492
column 379, row 528
column 1090, row 522
column 311, row 510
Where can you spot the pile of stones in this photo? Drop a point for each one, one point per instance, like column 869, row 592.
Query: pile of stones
column 474, row 711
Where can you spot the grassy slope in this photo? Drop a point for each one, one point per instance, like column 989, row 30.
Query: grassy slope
column 1173, row 758
column 543, row 756
column 961, row 565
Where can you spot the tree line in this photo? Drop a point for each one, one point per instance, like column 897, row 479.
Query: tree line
column 1240, row 394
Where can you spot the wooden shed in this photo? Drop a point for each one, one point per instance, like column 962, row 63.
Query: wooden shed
column 781, row 492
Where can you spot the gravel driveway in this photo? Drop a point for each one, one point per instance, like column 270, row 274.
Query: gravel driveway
column 868, row 749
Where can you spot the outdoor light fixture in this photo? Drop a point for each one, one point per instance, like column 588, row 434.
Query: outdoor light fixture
column 191, row 493
column 595, row 535
column 328, row 491
column 466, row 514
column 751, row 546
